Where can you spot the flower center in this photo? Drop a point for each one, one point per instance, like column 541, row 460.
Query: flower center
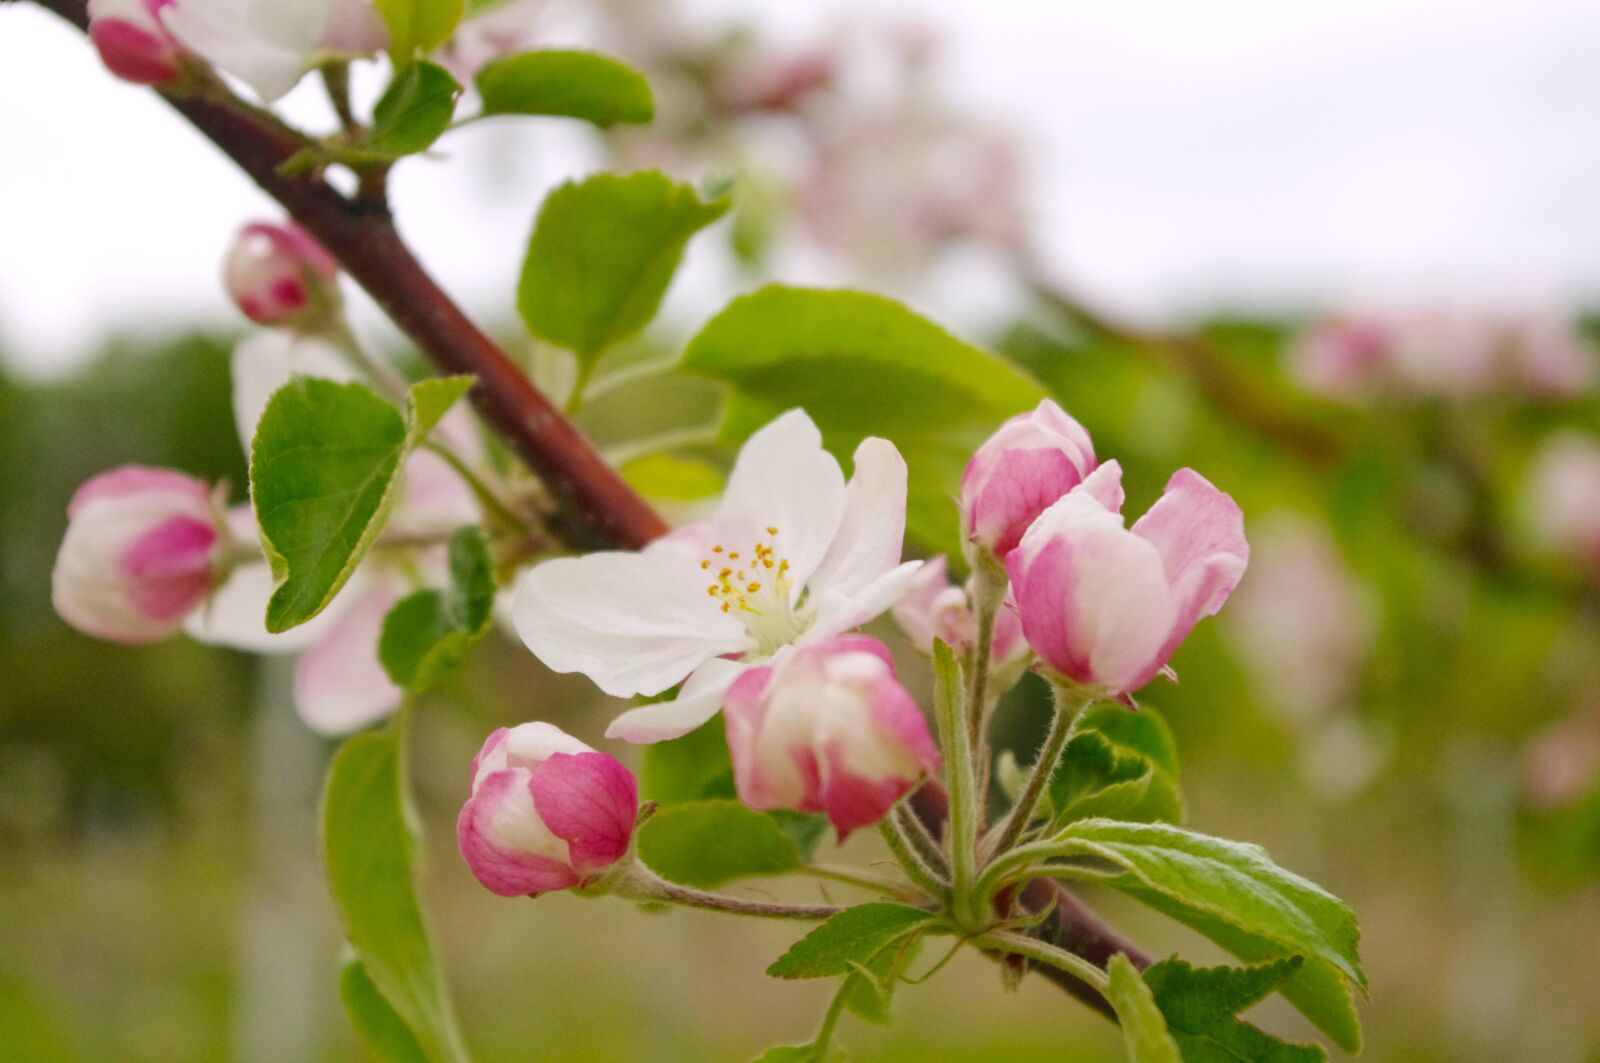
column 754, row 585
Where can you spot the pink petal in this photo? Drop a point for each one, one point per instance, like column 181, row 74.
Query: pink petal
column 589, row 800
column 169, row 567
column 502, row 869
column 339, row 684
column 136, row 480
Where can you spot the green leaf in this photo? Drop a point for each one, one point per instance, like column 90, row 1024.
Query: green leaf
column 567, row 84
column 852, row 937
column 672, row 478
column 692, row 768
column 705, row 843
column 1094, row 778
column 1200, row 1006
column 1235, row 883
column 427, row 635
column 367, row 846
column 413, row 111
column 602, row 254
column 864, row 365
column 1319, row 990
column 870, row 997
column 1144, row 1030
column 418, row 26
column 1143, row 733
column 323, row 476
column 383, row 1033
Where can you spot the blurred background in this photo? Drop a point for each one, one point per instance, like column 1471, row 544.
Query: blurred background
column 1339, row 259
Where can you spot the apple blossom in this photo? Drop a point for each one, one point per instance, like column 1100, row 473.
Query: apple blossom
column 791, row 556
column 141, row 550
column 1033, row 459
column 270, row 46
column 1565, row 495
column 933, row 608
column 278, row 275
column 1105, row 606
column 133, row 43
column 828, row 729
column 546, row 812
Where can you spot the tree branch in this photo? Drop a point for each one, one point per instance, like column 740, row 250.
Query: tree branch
column 595, row 508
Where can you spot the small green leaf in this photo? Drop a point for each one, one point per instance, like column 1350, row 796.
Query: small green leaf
column 1144, row 1030
column 1235, row 883
column 705, row 843
column 567, row 84
column 427, row 635
column 418, row 26
column 1143, row 733
column 383, row 1033
column 602, row 254
column 1201, row 1006
column 854, row 936
column 692, row 768
column 367, row 847
column 672, row 478
column 323, row 476
column 413, row 111
column 870, row 998
column 1097, row 778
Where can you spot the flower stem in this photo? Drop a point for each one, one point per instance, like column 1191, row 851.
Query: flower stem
column 639, row 883
column 915, row 866
column 916, row 832
column 960, row 781
column 988, row 589
column 865, row 881
column 1034, row 949
column 1069, row 705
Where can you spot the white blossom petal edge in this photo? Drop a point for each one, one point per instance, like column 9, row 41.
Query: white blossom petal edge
column 271, row 44
column 793, row 555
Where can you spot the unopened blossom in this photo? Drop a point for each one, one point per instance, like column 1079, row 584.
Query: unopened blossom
column 547, row 812
column 1032, row 460
column 133, row 43
column 277, row 275
column 934, row 608
column 791, row 556
column 828, row 729
column 142, row 550
column 1105, row 606
column 1565, row 496
column 271, row 44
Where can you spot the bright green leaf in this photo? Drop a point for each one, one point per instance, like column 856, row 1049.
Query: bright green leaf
column 323, row 475
column 1201, row 1006
column 602, row 254
column 427, row 635
column 852, row 937
column 384, row 1034
column 672, row 478
column 367, row 847
column 704, row 843
column 568, row 84
column 692, row 768
column 1097, row 778
column 1144, row 1030
column 1143, row 732
column 418, row 26
column 1229, row 881
column 413, row 111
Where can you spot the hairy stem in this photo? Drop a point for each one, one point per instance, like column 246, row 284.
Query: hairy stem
column 1034, row 949
column 639, row 883
column 862, row 880
column 915, row 866
column 959, row 777
column 1069, row 706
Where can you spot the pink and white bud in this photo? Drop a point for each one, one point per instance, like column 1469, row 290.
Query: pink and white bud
column 828, row 729
column 278, row 275
column 547, row 812
column 1105, row 606
column 133, row 43
column 934, row 608
column 1565, row 496
column 141, row 551
column 1032, row 460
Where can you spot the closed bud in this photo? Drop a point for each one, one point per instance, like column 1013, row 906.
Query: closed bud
column 933, row 608
column 828, row 729
column 278, row 275
column 141, row 551
column 1105, row 606
column 1032, row 460
column 133, row 43
column 546, row 813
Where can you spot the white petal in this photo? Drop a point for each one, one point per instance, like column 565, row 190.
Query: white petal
column 223, row 32
column 837, row 612
column 784, row 479
column 698, row 701
column 633, row 623
column 236, row 614
column 265, row 362
column 339, row 683
column 872, row 530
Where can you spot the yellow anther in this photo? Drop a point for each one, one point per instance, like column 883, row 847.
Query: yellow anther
column 772, row 530
column 705, row 564
column 733, row 556
column 726, row 606
column 717, row 549
column 752, row 588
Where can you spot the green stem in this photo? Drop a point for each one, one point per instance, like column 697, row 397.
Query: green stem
column 830, row 1022
column 639, row 883
column 915, row 867
column 1034, row 949
column 865, row 881
column 960, row 782
column 481, row 489
column 994, row 873
column 916, row 832
column 988, row 590
column 1069, row 705
column 389, row 379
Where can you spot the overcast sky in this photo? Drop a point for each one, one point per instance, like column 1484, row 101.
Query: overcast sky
column 1232, row 153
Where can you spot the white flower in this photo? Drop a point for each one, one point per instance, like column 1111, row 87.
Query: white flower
column 792, row 556
column 271, row 44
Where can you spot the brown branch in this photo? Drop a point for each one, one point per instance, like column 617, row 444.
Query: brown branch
column 595, row 508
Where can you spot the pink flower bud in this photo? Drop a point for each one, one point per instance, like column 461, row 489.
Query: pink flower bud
column 1105, row 606
column 1033, row 459
column 934, row 608
column 546, row 813
column 133, row 43
column 140, row 552
column 1566, row 496
column 278, row 275
column 828, row 729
